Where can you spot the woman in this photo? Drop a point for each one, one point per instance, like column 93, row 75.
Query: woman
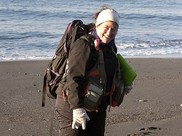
column 74, row 119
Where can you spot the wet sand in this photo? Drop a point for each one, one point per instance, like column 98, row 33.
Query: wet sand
column 152, row 108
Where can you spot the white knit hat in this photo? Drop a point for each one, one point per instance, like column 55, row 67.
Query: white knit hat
column 107, row 15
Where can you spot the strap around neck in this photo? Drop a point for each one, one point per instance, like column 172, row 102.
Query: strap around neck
column 103, row 77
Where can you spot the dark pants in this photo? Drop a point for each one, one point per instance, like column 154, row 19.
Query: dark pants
column 94, row 127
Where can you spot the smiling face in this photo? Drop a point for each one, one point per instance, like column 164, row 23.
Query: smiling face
column 107, row 31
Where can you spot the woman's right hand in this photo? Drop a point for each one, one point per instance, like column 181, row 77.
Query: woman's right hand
column 79, row 118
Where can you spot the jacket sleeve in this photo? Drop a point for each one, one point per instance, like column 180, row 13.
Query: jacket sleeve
column 77, row 66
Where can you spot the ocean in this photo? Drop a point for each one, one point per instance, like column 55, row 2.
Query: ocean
column 31, row 30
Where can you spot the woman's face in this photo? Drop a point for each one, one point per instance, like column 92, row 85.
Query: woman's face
column 107, row 31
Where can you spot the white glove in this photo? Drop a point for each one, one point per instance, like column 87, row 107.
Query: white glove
column 79, row 118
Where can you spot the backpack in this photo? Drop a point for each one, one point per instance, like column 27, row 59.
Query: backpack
column 57, row 66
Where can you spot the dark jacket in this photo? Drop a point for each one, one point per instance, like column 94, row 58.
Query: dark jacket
column 81, row 59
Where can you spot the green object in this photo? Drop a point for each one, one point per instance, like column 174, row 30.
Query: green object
column 128, row 71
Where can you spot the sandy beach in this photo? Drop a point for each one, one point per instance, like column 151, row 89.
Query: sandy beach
column 153, row 108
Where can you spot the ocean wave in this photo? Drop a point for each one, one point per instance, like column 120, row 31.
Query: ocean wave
column 148, row 44
column 25, row 35
column 151, row 16
column 46, row 51
column 147, row 48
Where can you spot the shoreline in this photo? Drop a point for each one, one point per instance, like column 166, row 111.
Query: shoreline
column 173, row 56
column 153, row 107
